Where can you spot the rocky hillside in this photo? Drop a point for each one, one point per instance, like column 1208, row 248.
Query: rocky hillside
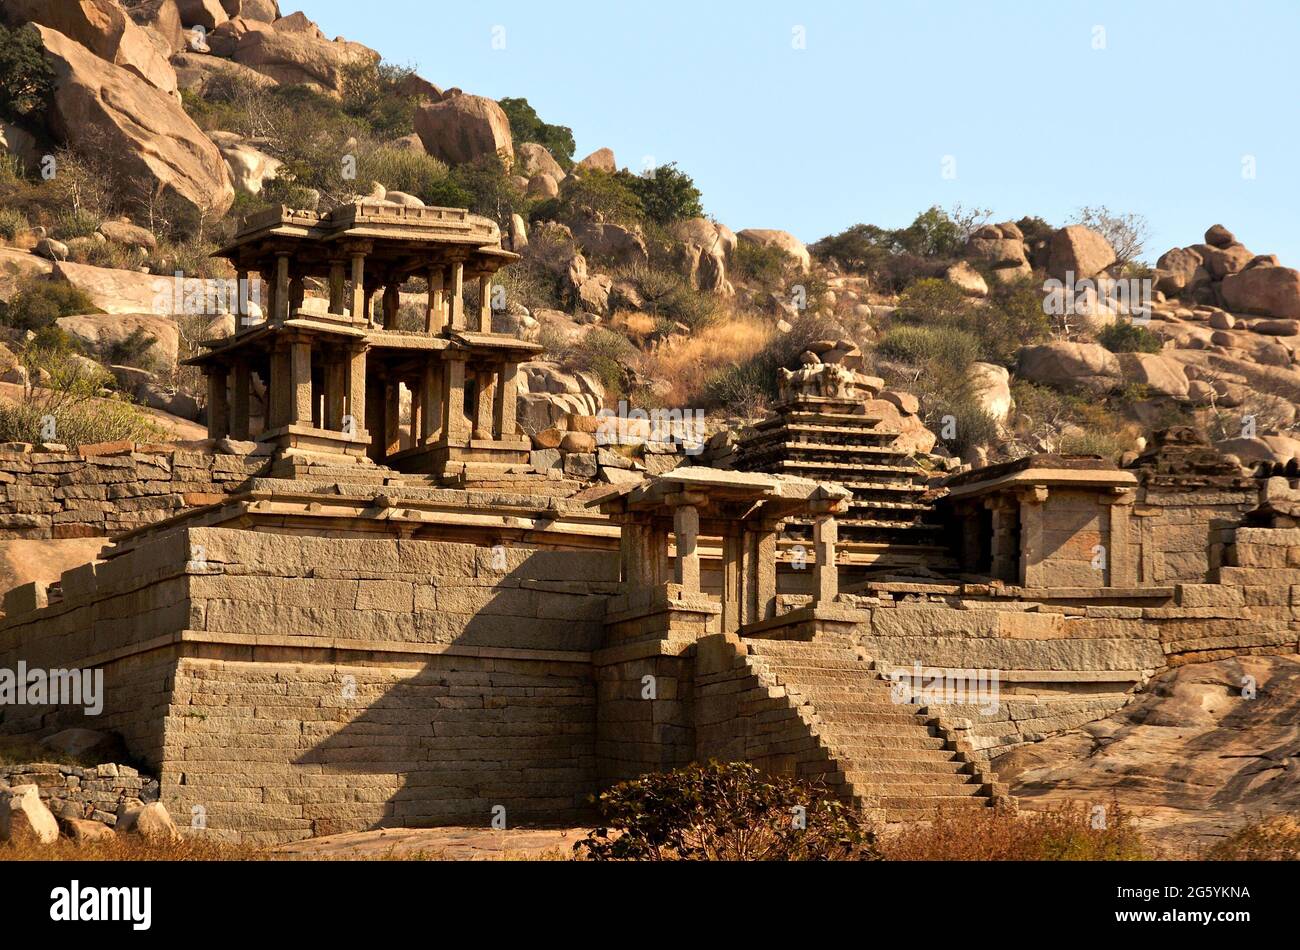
column 137, row 133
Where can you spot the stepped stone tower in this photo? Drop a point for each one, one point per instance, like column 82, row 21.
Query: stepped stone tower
column 821, row 429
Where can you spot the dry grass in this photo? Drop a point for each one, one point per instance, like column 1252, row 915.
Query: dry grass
column 128, row 848
column 1063, row 833
column 1275, row 839
column 685, row 363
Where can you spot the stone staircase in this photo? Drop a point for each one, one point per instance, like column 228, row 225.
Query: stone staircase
column 882, row 755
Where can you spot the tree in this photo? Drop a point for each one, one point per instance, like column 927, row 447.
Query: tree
column 1127, row 233
column 527, row 126
column 666, row 194
column 26, row 79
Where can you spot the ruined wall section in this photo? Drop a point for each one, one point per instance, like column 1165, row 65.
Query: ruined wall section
column 108, row 488
column 287, row 686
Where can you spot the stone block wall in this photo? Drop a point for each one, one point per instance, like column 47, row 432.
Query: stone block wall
column 1178, row 529
column 295, row 685
column 109, row 488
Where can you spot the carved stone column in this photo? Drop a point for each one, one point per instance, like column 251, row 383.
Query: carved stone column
column 239, row 411
column 1121, row 562
column 1032, row 572
column 218, row 402
column 686, row 533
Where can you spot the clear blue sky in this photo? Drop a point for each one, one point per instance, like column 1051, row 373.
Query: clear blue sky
column 856, row 126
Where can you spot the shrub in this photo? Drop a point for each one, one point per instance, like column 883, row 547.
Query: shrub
column 942, row 349
column 750, row 382
column 667, row 294
column 667, row 194
column 969, row 424
column 1274, row 839
column 1107, row 445
column 410, row 171
column 1124, row 336
column 371, row 94
column 604, row 353
column 593, row 195
column 486, row 187
column 762, row 264
column 1012, row 318
column 26, row 79
column 71, row 397
column 135, row 349
column 527, row 126
column 13, row 223
column 934, row 301
column 1063, row 833
column 725, row 812
column 39, row 302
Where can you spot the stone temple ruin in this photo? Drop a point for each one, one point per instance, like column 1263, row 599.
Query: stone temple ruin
column 357, row 623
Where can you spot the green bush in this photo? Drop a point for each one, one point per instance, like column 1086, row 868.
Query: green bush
column 593, row 195
column 961, row 423
column 26, row 79
column 39, row 302
column 415, row 173
column 667, row 194
column 940, row 349
column 604, row 353
column 667, row 294
column 763, row 264
column 70, row 394
column 527, row 126
column 740, row 389
column 725, row 812
column 135, row 349
column 371, row 94
column 1123, row 336
column 486, row 187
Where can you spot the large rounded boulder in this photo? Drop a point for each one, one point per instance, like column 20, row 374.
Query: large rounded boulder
column 1068, row 365
column 463, row 128
column 137, row 127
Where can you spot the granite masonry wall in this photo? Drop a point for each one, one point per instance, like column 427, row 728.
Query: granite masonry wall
column 111, row 487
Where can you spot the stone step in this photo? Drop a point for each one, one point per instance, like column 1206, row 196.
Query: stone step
column 861, row 747
column 842, row 649
column 799, row 666
column 847, row 731
column 852, row 710
column 868, row 768
column 917, row 789
column 906, row 809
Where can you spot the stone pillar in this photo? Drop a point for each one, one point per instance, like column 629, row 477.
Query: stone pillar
column 431, row 396
column 338, row 277
column 1032, row 573
column 686, row 533
column 1004, row 553
column 732, row 566
column 218, row 402
column 506, row 403
column 458, row 295
column 301, row 384
column 239, row 409
column 455, row 426
column 356, row 375
column 765, row 572
column 280, row 387
column 392, row 303
column 297, row 294
column 1121, row 563
column 336, row 386
column 358, row 288
column 282, row 286
column 826, row 577
column 436, row 317
column 368, row 307
column 486, row 403
column 485, row 303
column 392, row 418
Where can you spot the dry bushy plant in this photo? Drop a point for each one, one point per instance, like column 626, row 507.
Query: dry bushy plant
column 1061, row 833
column 725, row 812
column 1274, row 839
